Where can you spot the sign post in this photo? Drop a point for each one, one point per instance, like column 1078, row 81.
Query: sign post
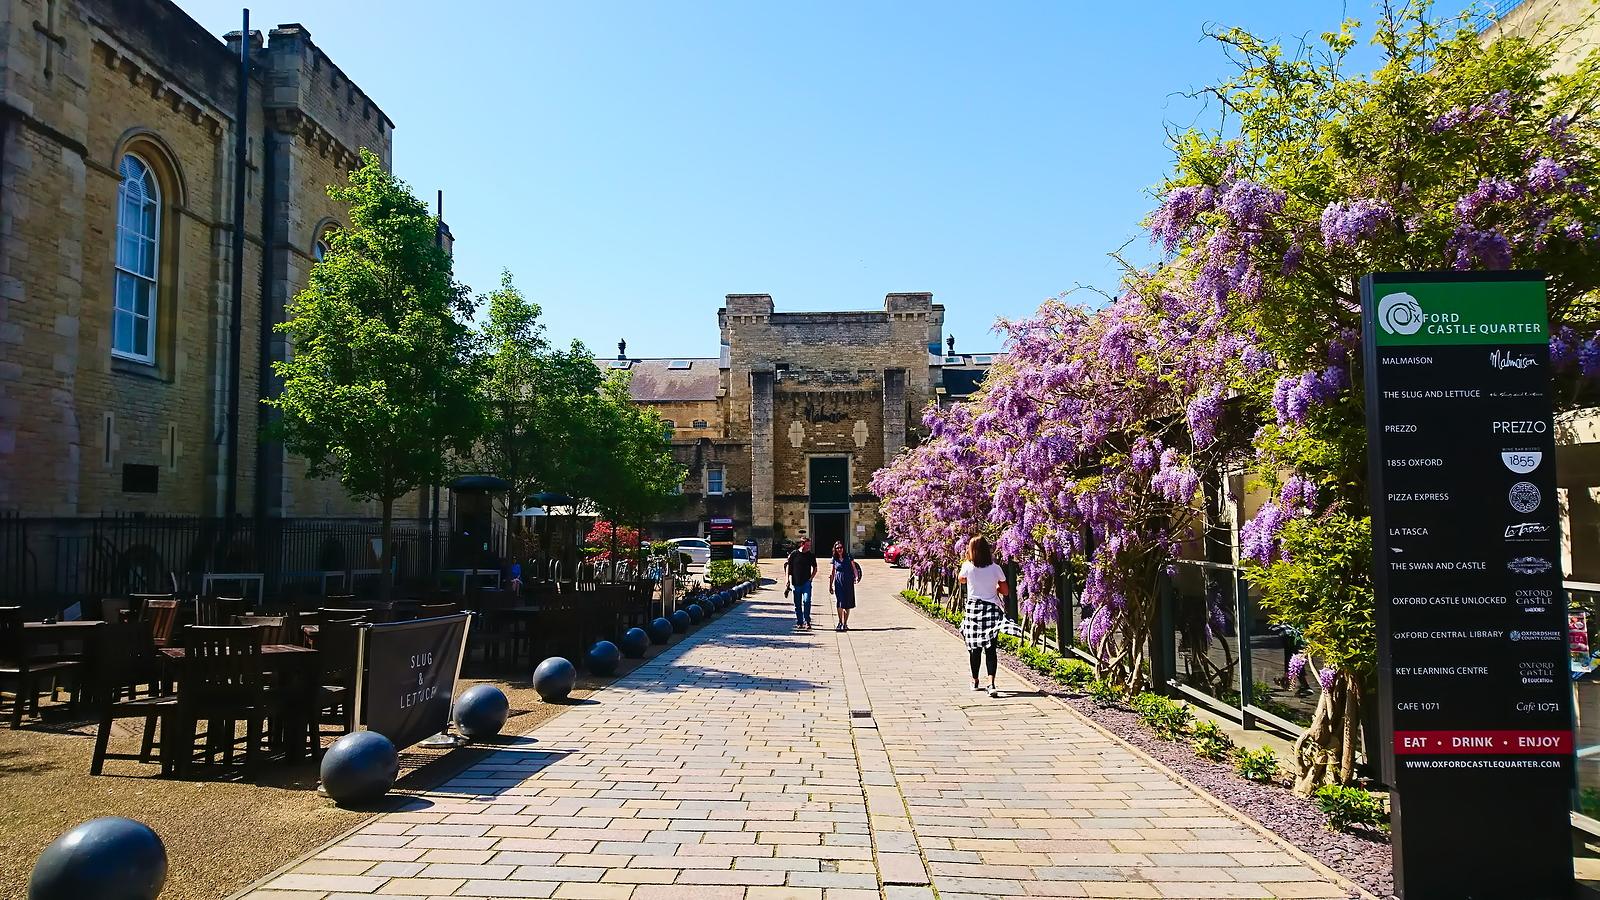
column 1474, row 704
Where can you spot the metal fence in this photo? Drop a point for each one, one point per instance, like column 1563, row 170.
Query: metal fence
column 47, row 564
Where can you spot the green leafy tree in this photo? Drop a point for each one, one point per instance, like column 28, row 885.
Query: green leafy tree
column 538, row 401
column 628, row 468
column 379, row 390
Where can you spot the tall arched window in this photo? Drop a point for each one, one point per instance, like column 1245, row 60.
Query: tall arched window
column 133, row 331
column 319, row 250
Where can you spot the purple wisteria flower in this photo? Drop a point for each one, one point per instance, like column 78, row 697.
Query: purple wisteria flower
column 1488, row 192
column 1345, row 224
column 1249, row 205
column 1487, row 248
column 1204, row 412
column 1546, row 174
column 1294, row 396
column 1297, row 664
column 1589, row 357
column 1325, row 678
column 1178, row 212
column 1298, row 492
column 1258, row 538
column 1564, row 345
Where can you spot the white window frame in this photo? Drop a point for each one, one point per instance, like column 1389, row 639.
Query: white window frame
column 699, row 423
column 722, row 481
column 152, row 188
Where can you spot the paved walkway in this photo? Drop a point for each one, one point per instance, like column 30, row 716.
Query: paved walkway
column 755, row 763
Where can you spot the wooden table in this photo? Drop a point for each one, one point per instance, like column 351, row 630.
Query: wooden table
column 68, row 627
column 295, row 667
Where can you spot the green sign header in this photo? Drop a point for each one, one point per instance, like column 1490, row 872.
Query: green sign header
column 1460, row 312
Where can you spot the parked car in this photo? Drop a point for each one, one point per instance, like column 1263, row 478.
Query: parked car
column 741, row 554
column 697, row 549
column 891, row 553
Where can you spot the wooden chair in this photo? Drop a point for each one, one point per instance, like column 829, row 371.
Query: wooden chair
column 123, row 660
column 221, row 682
column 336, row 653
column 562, row 625
column 19, row 663
column 274, row 629
column 162, row 614
column 219, row 610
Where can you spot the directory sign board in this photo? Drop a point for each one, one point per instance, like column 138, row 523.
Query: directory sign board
column 1472, row 622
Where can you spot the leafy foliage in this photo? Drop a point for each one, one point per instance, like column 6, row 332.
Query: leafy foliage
column 1168, row 718
column 723, row 573
column 538, row 400
column 1209, row 740
column 1258, row 765
column 1350, row 807
column 1106, row 693
column 378, row 392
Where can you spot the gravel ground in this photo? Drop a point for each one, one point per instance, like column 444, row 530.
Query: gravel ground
column 220, row 835
column 1364, row 860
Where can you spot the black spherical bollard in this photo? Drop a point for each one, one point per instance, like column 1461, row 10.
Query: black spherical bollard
column 660, row 630
column 554, row 679
column 359, row 768
column 105, row 859
column 634, row 643
column 709, row 608
column 680, row 621
column 481, row 711
column 695, row 613
column 604, row 657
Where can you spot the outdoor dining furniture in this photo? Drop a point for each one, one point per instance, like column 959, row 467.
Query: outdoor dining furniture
column 336, row 649
column 162, row 614
column 23, row 664
column 431, row 610
column 219, row 610
column 274, row 629
column 222, row 681
column 123, row 660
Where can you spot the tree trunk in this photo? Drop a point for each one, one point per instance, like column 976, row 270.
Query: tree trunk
column 386, row 558
column 1326, row 753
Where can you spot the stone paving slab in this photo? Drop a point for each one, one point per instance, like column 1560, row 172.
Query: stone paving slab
column 731, row 766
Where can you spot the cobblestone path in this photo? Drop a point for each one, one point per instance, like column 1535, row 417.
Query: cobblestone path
column 753, row 762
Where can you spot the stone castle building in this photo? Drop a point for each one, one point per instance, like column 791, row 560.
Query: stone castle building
column 117, row 127
column 783, row 431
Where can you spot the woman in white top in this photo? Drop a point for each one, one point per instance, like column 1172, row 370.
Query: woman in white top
column 985, row 612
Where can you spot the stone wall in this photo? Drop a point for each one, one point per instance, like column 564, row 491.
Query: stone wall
column 1574, row 23
column 85, row 82
column 806, row 384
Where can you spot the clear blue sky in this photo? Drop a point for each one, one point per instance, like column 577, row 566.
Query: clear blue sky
column 631, row 163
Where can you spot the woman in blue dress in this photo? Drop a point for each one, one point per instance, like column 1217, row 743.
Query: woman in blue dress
column 842, row 584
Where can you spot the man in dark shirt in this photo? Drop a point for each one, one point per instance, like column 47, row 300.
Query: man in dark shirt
column 801, row 567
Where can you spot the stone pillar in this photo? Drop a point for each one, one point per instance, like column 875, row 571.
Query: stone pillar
column 894, row 413
column 762, row 511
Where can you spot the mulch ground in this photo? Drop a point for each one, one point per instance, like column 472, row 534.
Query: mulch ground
column 220, row 835
column 1364, row 859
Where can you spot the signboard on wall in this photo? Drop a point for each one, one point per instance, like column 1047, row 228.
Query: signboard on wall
column 409, row 676
column 1472, row 623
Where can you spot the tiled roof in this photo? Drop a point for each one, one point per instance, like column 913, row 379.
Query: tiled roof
column 668, row 380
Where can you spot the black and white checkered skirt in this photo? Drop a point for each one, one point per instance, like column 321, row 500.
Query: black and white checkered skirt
column 982, row 621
